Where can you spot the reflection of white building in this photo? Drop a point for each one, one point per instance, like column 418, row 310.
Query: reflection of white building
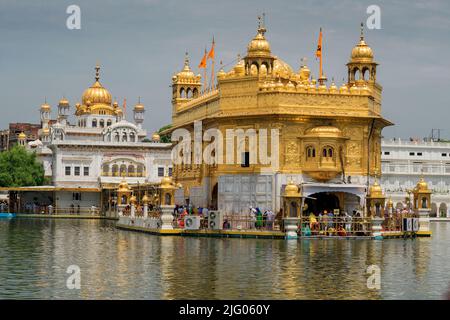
column 404, row 161
column 85, row 159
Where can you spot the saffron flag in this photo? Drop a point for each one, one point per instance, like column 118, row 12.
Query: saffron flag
column 211, row 52
column 202, row 64
column 319, row 45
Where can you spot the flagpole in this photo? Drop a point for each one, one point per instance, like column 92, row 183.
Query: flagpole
column 321, row 54
column 204, row 75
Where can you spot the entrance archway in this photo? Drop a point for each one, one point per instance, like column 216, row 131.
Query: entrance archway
column 322, row 201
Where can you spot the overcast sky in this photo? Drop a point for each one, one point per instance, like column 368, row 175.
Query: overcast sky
column 141, row 43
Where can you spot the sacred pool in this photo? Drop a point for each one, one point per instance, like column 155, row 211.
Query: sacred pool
column 35, row 255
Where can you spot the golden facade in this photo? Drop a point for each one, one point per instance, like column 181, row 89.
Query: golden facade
column 327, row 134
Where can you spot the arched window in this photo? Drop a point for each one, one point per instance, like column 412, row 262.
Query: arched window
column 132, row 137
column 117, row 137
column 102, row 123
column 108, row 123
column 140, row 170
column 123, row 170
column 182, row 93
column 115, row 170
column 124, row 137
column 94, row 123
column 131, row 171
column 195, row 91
column 328, row 152
column 310, row 152
column 105, row 170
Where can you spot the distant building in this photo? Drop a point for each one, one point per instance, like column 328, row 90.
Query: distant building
column 403, row 162
column 10, row 136
column 87, row 160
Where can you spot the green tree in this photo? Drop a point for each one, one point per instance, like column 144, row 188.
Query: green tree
column 19, row 168
column 165, row 138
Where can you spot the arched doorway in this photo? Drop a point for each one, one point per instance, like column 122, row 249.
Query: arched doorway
column 322, row 201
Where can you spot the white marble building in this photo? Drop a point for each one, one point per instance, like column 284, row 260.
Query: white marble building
column 405, row 161
column 94, row 154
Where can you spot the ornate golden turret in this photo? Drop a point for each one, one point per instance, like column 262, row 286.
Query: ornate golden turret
column 258, row 53
column 362, row 65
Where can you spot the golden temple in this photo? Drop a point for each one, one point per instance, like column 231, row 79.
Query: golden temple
column 329, row 136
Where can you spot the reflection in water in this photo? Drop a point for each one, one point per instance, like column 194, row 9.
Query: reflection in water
column 115, row 264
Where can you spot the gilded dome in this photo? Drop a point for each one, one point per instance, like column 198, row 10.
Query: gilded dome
column 325, row 131
column 22, row 136
column 422, row 185
column 45, row 131
column 133, row 199
column 156, row 137
column 239, row 68
column 186, row 73
column 123, row 186
column 291, row 190
column 167, row 183
column 139, row 106
column 362, row 52
column 375, row 190
column 145, row 198
column 281, row 68
column 63, row 102
column 259, row 46
column 45, row 107
column 305, row 73
column 96, row 94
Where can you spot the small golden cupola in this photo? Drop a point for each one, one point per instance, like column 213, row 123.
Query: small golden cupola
column 362, row 67
column 422, row 195
column 375, row 200
column 185, row 84
column 259, row 59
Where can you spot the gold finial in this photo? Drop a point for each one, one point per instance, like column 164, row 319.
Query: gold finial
column 362, row 31
column 186, row 58
column 97, row 72
column 261, row 24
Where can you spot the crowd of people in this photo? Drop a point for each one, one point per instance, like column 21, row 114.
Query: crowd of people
column 328, row 223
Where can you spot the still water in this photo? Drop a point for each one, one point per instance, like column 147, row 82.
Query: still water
column 116, row 264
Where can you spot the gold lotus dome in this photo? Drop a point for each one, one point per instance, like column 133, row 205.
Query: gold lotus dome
column 186, row 73
column 45, row 107
column 362, row 52
column 156, row 137
column 281, row 68
column 375, row 190
column 63, row 102
column 123, row 186
column 22, row 136
column 139, row 106
column 259, row 46
column 45, row 131
column 305, row 73
column 221, row 73
column 145, row 198
column 291, row 190
column 239, row 68
column 325, row 131
column 96, row 94
column 422, row 185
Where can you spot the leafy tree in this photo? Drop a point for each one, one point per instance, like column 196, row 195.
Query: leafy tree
column 165, row 138
column 19, row 168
